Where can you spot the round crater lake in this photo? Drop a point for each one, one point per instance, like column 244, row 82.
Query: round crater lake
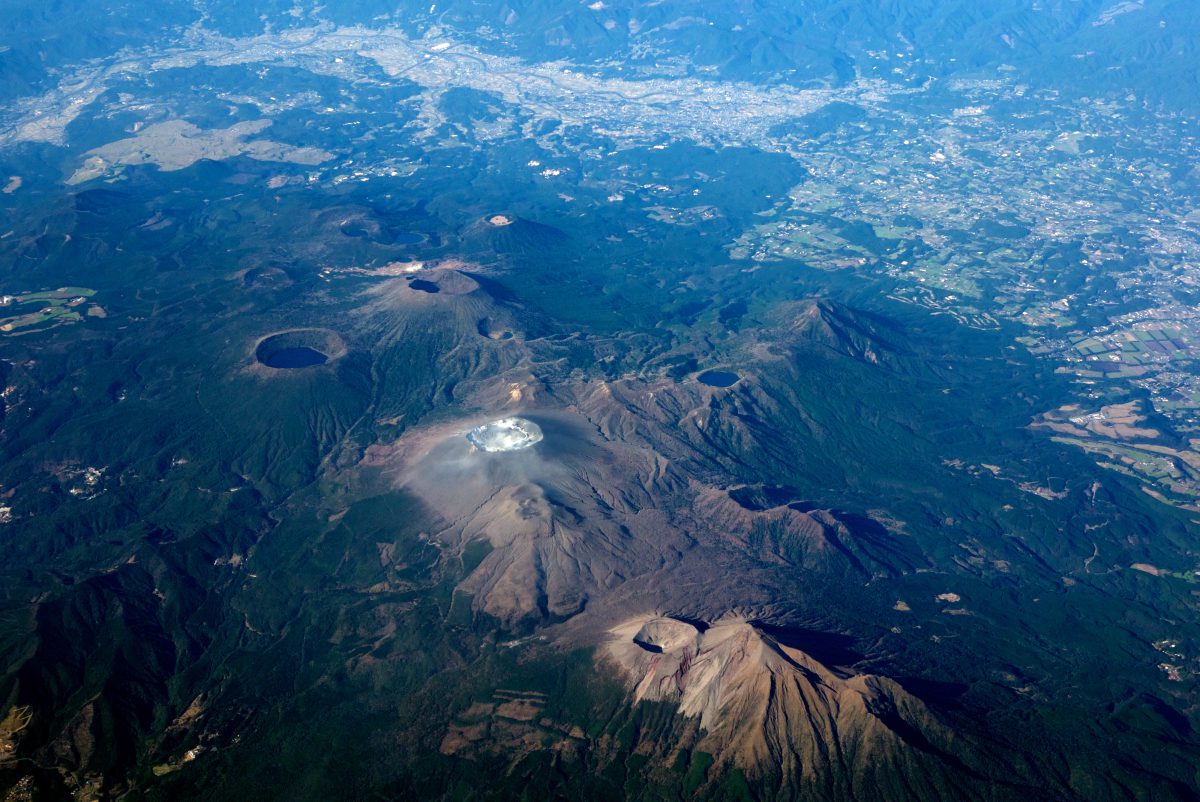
column 422, row 285
column 298, row 357
column 299, row 348
column 718, row 378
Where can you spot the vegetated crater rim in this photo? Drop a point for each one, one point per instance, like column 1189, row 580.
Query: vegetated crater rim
column 323, row 342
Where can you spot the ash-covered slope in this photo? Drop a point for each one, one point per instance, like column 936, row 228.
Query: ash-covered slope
column 560, row 521
column 628, row 475
column 773, row 710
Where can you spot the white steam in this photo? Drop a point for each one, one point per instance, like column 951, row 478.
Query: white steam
column 506, row 434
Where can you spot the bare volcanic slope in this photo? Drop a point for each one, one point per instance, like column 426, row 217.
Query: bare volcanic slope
column 558, row 515
column 596, row 500
column 798, row 406
column 787, row 531
column 624, row 478
column 774, row 711
column 560, row 518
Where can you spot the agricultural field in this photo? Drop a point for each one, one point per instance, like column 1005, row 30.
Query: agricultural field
column 46, row 309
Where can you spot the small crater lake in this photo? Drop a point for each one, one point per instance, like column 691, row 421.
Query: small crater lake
column 298, row 357
column 718, row 378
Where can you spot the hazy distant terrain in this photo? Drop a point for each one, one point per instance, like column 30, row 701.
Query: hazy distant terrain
column 612, row 401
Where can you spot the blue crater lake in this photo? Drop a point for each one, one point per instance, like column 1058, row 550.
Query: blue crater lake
column 298, row 357
column 718, row 378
